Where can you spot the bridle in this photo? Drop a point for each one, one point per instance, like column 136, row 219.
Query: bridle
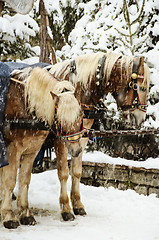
column 73, row 137
column 135, row 102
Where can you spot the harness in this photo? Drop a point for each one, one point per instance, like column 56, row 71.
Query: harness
column 136, row 104
column 99, row 76
column 34, row 124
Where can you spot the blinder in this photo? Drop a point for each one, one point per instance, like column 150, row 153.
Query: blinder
column 136, row 104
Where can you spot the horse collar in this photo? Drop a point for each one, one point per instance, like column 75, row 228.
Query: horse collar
column 99, row 76
column 72, row 70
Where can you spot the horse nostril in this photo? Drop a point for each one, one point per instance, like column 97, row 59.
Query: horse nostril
column 125, row 116
column 76, row 153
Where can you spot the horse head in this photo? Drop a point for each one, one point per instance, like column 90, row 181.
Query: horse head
column 69, row 117
column 131, row 97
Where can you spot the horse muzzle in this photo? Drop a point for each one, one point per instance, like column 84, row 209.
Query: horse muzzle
column 74, row 152
column 135, row 118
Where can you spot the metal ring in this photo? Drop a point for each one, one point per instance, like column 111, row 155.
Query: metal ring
column 135, row 87
column 131, row 84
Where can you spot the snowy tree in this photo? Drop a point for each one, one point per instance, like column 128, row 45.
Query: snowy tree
column 126, row 27
column 16, row 30
column 62, row 17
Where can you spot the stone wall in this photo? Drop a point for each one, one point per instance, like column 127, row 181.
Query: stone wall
column 143, row 181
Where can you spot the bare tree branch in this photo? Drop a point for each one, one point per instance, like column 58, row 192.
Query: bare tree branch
column 140, row 14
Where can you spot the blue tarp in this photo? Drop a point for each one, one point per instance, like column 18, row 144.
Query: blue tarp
column 5, row 70
column 16, row 65
column 4, row 86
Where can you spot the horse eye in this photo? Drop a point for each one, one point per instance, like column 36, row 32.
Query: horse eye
column 143, row 89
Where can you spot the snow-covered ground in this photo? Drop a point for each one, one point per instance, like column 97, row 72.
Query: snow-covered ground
column 112, row 214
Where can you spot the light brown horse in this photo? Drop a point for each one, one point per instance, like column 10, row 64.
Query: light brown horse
column 126, row 78
column 51, row 101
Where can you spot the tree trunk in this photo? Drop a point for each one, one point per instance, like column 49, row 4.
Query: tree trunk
column 1, row 8
column 44, row 48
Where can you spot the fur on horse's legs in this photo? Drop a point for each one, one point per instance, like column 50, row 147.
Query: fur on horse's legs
column 25, row 215
column 78, row 207
column 63, row 174
column 9, row 174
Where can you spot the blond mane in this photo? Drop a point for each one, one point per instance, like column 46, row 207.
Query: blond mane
column 39, row 100
column 146, row 76
column 68, row 110
column 86, row 66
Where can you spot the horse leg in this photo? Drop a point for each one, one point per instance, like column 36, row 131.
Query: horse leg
column 77, row 205
column 63, row 174
column 25, row 215
column 9, row 174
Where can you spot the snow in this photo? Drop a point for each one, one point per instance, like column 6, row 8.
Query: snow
column 112, row 214
column 19, row 24
column 101, row 157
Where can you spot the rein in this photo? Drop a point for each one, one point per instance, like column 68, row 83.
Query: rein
column 17, row 81
column 30, row 124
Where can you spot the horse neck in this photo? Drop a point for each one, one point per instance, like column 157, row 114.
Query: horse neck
column 15, row 105
column 120, row 75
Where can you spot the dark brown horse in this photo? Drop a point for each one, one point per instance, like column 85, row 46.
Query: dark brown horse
column 126, row 78
column 51, row 101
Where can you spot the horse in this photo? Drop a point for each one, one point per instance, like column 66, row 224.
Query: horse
column 39, row 98
column 95, row 75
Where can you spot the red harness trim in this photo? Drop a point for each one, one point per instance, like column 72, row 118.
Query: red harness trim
column 70, row 137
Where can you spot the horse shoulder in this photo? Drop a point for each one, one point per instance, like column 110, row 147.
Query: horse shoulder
column 15, row 104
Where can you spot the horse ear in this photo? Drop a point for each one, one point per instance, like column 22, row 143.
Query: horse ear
column 21, row 74
column 55, row 97
column 78, row 92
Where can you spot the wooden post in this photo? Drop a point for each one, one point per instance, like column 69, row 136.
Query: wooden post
column 45, row 41
column 44, row 49
column 1, row 8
